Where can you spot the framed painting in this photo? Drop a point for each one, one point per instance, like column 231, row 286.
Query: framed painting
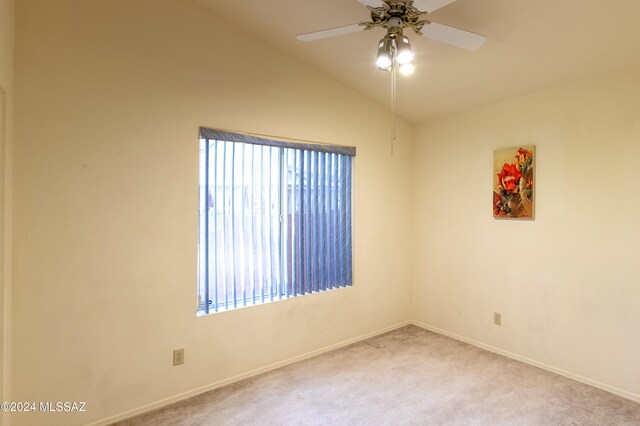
column 513, row 182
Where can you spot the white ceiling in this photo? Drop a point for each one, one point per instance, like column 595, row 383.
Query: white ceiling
column 532, row 44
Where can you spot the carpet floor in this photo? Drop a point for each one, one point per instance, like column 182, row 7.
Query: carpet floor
column 409, row 376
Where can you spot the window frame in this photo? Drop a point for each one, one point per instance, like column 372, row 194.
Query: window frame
column 284, row 288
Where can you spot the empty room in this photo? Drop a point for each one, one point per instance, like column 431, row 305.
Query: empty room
column 305, row 212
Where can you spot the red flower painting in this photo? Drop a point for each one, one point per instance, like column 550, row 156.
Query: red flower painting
column 513, row 182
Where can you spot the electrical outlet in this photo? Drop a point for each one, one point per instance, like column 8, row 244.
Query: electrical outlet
column 497, row 318
column 178, row 357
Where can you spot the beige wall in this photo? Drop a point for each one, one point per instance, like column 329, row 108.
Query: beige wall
column 568, row 283
column 6, row 136
column 110, row 95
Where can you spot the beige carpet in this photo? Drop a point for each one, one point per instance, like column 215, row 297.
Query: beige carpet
column 406, row 377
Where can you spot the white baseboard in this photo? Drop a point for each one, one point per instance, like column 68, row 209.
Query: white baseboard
column 224, row 382
column 612, row 389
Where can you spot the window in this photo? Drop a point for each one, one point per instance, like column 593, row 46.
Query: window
column 274, row 220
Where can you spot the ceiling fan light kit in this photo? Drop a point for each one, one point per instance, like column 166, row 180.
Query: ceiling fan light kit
column 394, row 50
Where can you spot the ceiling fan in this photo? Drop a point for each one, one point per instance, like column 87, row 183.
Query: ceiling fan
column 394, row 16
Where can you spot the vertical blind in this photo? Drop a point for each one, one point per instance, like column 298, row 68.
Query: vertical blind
column 274, row 219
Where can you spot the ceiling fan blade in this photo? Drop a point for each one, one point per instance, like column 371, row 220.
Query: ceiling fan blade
column 372, row 3
column 454, row 36
column 331, row 32
column 430, row 5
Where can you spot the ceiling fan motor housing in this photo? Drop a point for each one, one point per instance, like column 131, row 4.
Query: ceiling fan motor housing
column 396, row 15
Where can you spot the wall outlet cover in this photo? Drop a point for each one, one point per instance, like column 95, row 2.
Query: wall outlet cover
column 178, row 357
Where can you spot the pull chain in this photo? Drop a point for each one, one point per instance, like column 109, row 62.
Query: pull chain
column 393, row 101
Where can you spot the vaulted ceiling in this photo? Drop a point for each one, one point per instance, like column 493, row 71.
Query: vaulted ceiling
column 532, row 44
